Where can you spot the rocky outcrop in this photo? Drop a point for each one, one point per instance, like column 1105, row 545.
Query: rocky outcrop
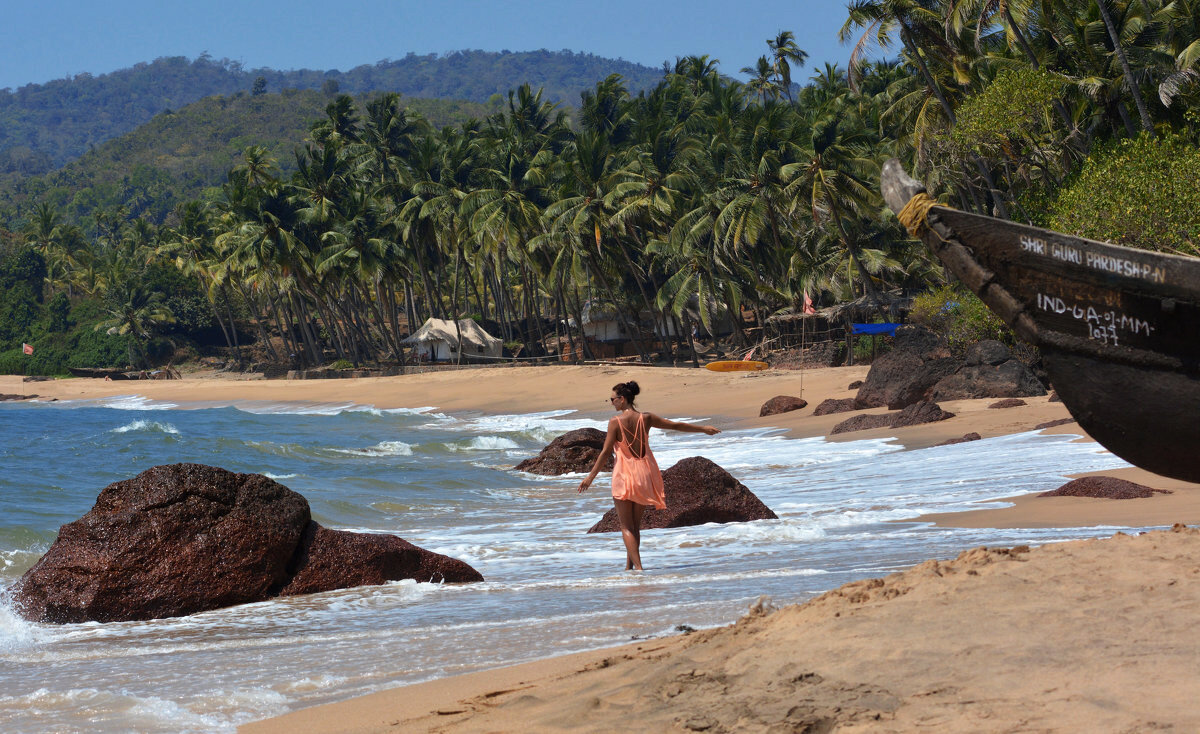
column 782, row 404
column 913, row 415
column 574, row 452
column 697, row 492
column 1052, row 424
column 9, row 396
column 1104, row 488
column 903, row 376
column 185, row 538
column 965, row 438
column 832, row 405
column 990, row 371
column 855, row 385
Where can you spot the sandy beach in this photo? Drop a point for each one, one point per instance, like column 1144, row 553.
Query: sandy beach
column 1079, row 636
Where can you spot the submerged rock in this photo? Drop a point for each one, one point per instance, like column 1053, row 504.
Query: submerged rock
column 972, row 436
column 574, row 452
column 185, row 538
column 698, row 492
column 337, row 559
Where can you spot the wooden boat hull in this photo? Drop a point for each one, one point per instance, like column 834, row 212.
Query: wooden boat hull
column 1118, row 328
column 736, row 365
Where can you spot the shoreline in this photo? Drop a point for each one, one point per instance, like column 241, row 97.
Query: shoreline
column 730, row 401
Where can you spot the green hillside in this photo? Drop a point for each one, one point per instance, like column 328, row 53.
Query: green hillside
column 176, row 155
column 42, row 126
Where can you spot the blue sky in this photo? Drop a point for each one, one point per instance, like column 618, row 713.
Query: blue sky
column 53, row 39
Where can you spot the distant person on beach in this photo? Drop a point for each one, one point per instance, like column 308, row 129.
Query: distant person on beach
column 636, row 481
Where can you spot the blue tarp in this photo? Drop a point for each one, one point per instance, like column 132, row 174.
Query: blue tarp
column 888, row 329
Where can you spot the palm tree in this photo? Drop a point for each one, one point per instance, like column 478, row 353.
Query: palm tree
column 785, row 52
column 134, row 311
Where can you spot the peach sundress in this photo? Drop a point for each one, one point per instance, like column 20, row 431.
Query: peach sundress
column 637, row 478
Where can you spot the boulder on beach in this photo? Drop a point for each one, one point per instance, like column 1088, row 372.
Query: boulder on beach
column 913, row 415
column 1104, row 488
column 698, row 492
column 1008, row 403
column 835, row 405
column 574, row 452
column 185, row 538
column 782, row 404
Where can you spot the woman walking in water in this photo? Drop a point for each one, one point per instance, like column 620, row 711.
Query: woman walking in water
column 636, row 480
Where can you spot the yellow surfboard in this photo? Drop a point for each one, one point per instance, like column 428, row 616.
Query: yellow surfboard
column 736, row 365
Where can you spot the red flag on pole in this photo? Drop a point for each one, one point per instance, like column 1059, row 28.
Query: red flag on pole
column 27, row 348
column 808, row 305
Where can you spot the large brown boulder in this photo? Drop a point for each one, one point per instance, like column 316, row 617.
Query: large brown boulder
column 903, row 376
column 781, row 404
column 698, row 492
column 336, row 559
column 574, row 452
column 176, row 540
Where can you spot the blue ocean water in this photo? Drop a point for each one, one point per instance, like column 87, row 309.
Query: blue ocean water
column 445, row 482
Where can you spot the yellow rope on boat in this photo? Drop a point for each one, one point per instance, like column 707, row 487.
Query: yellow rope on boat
column 912, row 216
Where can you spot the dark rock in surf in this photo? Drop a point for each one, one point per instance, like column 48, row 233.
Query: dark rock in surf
column 1052, row 424
column 782, row 404
column 1104, row 488
column 698, row 492
column 832, row 405
column 903, row 376
column 336, row 559
column 181, row 539
column 574, row 452
column 7, row 396
column 965, row 438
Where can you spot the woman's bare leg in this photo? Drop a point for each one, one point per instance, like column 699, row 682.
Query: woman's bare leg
column 629, row 514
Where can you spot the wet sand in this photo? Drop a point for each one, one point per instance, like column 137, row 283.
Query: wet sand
column 1082, row 636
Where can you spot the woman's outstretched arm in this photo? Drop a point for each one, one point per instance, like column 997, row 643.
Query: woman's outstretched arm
column 610, row 440
column 660, row 422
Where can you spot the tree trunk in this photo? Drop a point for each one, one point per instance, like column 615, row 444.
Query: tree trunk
column 1147, row 125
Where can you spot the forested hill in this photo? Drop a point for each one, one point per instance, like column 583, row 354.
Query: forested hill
column 176, row 155
column 42, row 126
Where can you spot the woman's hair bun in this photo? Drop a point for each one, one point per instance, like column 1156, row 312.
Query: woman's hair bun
column 633, row 387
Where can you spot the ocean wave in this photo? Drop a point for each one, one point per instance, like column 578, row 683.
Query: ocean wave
column 128, row 402
column 277, row 477
column 484, row 443
column 383, row 448
column 148, row 426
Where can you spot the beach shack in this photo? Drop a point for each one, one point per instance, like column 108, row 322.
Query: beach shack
column 439, row 340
